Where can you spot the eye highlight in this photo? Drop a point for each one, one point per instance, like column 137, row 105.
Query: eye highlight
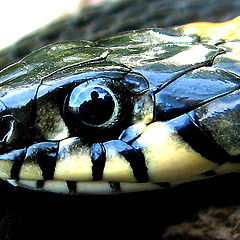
column 97, row 109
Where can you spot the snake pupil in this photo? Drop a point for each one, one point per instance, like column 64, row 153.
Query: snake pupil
column 93, row 105
column 97, row 108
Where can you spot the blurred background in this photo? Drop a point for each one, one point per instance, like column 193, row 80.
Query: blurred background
column 18, row 18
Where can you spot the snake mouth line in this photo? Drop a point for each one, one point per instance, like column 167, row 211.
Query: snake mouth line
column 98, row 187
column 84, row 187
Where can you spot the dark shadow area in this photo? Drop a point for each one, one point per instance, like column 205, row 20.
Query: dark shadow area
column 28, row 214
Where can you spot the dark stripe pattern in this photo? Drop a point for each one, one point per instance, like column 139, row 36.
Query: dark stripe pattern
column 98, row 156
column 44, row 154
column 115, row 186
column 137, row 162
column 133, row 156
column 17, row 156
column 72, row 186
column 192, row 134
column 40, row 184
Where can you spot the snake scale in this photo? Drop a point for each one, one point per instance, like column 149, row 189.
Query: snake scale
column 141, row 110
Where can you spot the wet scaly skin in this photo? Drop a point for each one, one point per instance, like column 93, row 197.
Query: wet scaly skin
column 169, row 100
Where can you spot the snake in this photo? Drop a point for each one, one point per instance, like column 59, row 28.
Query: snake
column 141, row 110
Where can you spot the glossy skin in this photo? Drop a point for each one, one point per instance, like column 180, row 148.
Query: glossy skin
column 141, row 110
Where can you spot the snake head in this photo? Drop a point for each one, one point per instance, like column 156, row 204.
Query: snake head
column 64, row 97
column 130, row 112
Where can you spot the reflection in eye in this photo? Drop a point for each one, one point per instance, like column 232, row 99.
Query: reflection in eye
column 95, row 105
column 97, row 109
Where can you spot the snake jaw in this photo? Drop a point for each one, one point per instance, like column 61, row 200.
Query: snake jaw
column 61, row 160
column 69, row 166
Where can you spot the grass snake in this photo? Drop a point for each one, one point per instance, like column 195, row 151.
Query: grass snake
column 157, row 106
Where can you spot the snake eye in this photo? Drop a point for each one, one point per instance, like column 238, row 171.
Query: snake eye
column 97, row 109
column 94, row 106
